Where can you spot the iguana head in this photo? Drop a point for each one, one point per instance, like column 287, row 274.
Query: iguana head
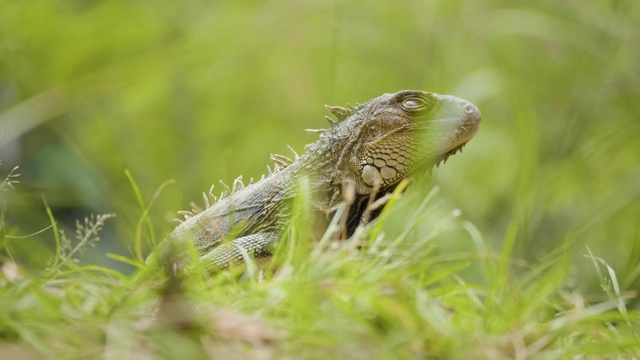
column 395, row 136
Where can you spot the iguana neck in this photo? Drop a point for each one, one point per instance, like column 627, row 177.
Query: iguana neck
column 329, row 165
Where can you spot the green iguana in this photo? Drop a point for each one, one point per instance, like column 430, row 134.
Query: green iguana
column 368, row 150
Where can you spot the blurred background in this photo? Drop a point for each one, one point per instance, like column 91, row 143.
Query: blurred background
column 198, row 91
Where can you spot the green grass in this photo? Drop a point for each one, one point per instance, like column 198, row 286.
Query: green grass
column 375, row 296
column 530, row 247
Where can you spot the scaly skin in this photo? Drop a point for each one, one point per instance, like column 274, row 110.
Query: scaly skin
column 369, row 150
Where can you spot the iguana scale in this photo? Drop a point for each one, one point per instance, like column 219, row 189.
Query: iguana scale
column 368, row 150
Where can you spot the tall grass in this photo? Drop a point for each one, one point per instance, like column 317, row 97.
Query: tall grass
column 376, row 295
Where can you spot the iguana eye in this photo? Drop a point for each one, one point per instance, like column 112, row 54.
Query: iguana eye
column 413, row 103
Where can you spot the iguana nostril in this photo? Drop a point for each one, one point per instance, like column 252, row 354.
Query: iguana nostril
column 473, row 112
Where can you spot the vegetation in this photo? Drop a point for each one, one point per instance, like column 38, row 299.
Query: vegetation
column 527, row 245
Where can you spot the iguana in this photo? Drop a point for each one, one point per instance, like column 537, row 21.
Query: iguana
column 368, row 150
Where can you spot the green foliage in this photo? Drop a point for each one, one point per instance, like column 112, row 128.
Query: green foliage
column 376, row 296
column 10, row 179
column 493, row 265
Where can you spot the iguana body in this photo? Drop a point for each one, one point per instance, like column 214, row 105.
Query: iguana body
column 370, row 149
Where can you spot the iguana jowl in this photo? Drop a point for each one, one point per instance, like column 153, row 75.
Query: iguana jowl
column 369, row 149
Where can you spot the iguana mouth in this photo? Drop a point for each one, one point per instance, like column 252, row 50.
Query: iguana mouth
column 459, row 133
column 466, row 132
column 432, row 161
column 435, row 159
column 444, row 155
